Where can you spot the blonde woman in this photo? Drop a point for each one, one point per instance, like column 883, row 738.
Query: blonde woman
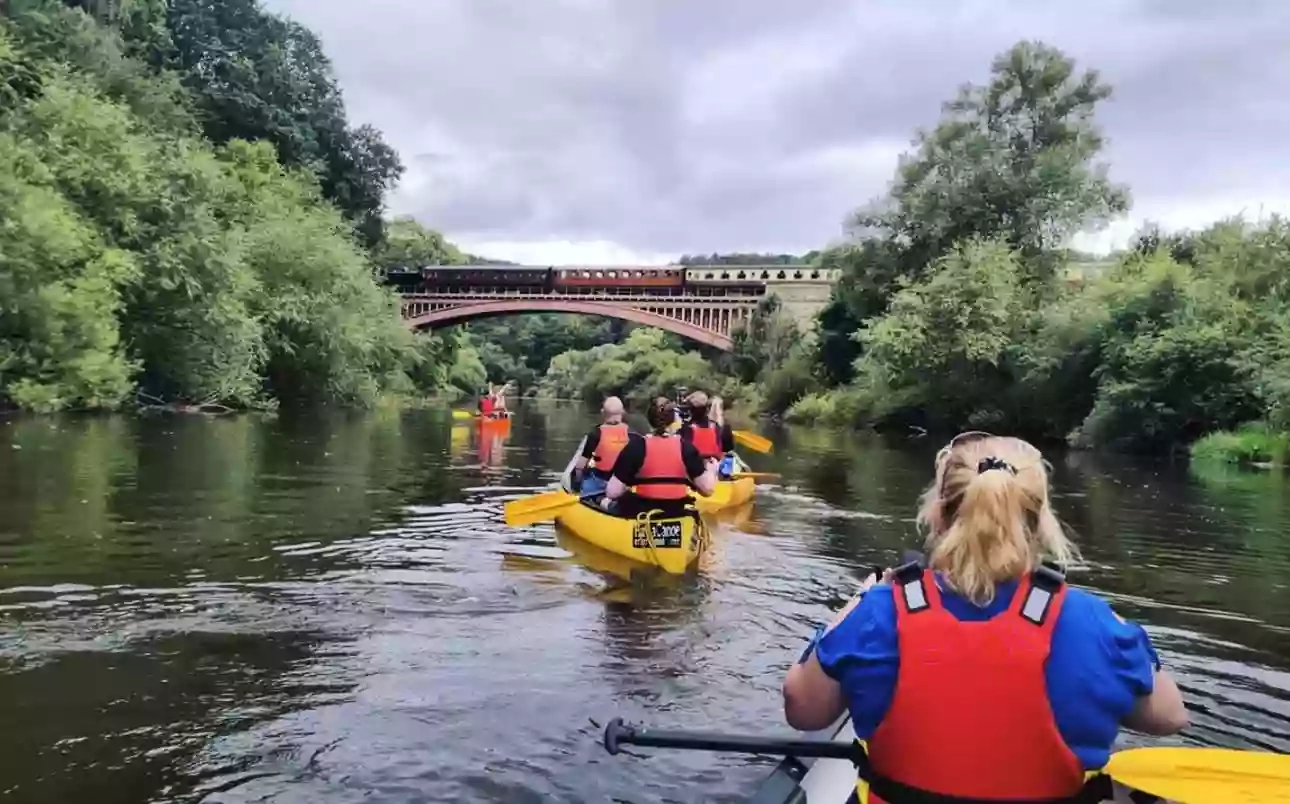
column 984, row 676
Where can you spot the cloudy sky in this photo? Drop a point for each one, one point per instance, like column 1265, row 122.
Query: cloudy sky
column 564, row 131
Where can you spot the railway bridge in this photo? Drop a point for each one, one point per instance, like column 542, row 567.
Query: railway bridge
column 702, row 303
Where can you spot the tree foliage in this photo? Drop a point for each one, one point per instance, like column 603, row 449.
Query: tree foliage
column 957, row 307
column 1014, row 159
column 135, row 255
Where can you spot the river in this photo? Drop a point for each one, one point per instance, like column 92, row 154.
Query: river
column 327, row 608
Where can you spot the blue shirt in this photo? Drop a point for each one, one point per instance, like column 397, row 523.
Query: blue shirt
column 1097, row 665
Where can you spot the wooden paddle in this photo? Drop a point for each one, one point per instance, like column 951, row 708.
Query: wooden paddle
column 548, row 505
column 753, row 441
column 757, row 475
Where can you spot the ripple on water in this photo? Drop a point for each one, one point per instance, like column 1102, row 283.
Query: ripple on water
column 258, row 612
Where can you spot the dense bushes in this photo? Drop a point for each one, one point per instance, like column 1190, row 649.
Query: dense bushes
column 137, row 257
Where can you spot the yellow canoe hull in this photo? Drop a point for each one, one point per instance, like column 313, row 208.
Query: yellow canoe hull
column 671, row 544
column 741, row 491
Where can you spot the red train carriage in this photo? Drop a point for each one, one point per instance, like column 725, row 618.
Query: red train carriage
column 619, row 279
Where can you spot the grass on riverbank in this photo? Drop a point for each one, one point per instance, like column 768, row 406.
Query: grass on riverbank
column 1253, row 444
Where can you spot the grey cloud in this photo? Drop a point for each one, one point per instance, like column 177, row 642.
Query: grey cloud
column 673, row 125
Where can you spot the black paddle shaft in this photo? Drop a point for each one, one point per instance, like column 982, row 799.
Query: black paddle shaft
column 618, row 733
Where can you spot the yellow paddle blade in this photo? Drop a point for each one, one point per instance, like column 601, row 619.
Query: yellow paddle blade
column 1203, row 775
column 538, row 508
column 462, row 414
column 753, row 441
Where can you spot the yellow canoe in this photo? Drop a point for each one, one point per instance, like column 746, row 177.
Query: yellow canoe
column 672, row 544
column 741, row 491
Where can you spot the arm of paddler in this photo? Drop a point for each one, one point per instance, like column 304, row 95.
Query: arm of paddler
column 702, row 473
column 1162, row 711
column 813, row 700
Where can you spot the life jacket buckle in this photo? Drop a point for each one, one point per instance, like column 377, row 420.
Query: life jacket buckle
column 910, row 580
column 1045, row 582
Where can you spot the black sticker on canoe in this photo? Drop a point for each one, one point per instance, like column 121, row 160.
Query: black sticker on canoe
column 659, row 534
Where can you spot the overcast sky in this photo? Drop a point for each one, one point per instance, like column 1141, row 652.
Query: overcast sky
column 565, row 131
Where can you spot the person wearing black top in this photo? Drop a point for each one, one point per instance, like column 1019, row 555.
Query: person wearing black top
column 604, row 443
column 658, row 471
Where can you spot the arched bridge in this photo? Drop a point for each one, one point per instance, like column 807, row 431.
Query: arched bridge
column 704, row 303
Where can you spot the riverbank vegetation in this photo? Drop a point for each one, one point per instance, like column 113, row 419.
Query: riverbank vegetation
column 960, row 306
column 189, row 218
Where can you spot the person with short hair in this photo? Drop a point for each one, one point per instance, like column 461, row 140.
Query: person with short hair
column 984, row 676
column 658, row 471
column 603, row 444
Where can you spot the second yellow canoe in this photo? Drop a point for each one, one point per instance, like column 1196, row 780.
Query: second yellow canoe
column 741, row 491
column 672, row 544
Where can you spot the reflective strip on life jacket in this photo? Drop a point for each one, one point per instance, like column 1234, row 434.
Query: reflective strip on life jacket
column 662, row 474
column 613, row 437
column 970, row 719
column 706, row 439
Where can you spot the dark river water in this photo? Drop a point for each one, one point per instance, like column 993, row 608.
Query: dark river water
column 328, row 609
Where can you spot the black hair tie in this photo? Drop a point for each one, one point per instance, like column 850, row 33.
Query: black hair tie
column 986, row 464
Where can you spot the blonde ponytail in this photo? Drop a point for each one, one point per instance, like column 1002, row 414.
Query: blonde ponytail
column 989, row 517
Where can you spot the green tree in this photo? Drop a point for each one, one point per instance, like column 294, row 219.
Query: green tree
column 258, row 76
column 1015, row 158
column 408, row 244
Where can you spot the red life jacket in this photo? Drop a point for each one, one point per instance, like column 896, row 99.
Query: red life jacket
column 706, row 438
column 662, row 475
column 613, row 437
column 486, row 405
column 971, row 717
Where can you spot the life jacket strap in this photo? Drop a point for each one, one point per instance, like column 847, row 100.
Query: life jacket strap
column 1097, row 789
column 661, row 481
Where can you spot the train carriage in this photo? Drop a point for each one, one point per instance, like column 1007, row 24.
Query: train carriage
column 623, row 279
column 530, row 278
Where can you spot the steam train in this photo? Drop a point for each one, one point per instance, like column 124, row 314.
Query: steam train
column 634, row 280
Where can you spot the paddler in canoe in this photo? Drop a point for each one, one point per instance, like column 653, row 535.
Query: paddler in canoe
column 658, row 471
column 712, row 437
column 984, row 676
column 603, row 444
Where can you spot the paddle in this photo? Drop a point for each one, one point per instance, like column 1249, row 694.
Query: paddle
column 461, row 415
column 761, row 475
column 538, row 508
column 549, row 504
column 1182, row 775
column 753, row 441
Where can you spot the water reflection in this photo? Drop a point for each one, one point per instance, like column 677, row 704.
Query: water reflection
column 327, row 608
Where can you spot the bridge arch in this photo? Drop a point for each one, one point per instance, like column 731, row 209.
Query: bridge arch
column 449, row 316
